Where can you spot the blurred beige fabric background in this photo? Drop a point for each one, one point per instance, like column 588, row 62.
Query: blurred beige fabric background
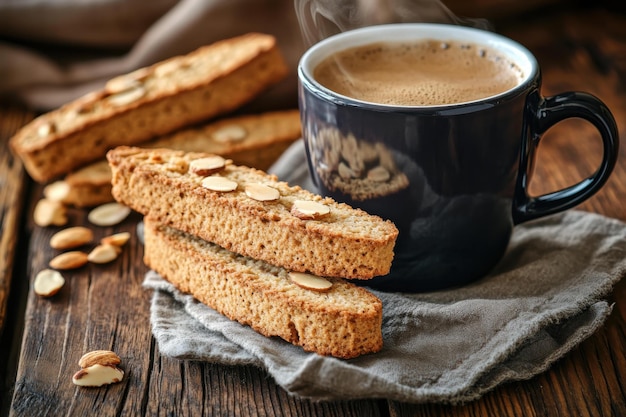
column 52, row 51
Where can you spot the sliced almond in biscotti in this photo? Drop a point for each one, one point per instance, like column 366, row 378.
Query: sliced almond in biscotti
column 310, row 282
column 346, row 242
column 210, row 81
column 309, row 210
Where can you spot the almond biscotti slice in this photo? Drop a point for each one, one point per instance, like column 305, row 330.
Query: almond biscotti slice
column 343, row 321
column 149, row 102
column 255, row 140
column 251, row 213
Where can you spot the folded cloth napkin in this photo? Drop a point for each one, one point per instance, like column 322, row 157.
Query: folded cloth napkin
column 545, row 296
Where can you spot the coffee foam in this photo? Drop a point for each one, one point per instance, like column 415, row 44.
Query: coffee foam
column 421, row 73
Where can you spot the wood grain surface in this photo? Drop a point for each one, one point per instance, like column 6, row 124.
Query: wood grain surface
column 105, row 306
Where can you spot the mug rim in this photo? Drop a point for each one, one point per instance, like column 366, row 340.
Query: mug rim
column 515, row 51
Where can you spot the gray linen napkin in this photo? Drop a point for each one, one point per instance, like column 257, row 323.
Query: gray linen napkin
column 546, row 296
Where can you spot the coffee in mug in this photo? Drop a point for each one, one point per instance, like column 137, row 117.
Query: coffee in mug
column 440, row 141
column 423, row 73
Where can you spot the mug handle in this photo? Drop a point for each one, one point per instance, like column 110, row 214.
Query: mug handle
column 541, row 114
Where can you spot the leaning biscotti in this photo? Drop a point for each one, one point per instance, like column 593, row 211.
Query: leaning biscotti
column 149, row 102
column 330, row 239
column 253, row 140
column 344, row 321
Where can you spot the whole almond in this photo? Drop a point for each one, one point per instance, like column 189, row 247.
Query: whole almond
column 221, row 184
column 309, row 210
column 71, row 237
column 69, row 260
column 310, row 282
column 103, row 254
column 108, row 214
column 100, row 357
column 48, row 282
column 262, row 192
column 118, row 239
column 97, row 376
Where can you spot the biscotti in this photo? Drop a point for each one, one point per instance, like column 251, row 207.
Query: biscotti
column 252, row 213
column 252, row 140
column 255, row 140
column 344, row 321
column 149, row 102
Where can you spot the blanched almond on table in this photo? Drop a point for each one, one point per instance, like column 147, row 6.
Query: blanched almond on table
column 71, row 237
column 49, row 212
column 48, row 282
column 103, row 254
column 207, row 166
column 217, row 183
column 230, row 133
column 118, row 239
column 97, row 376
column 69, row 260
column 262, row 192
column 309, row 210
column 108, row 214
column 99, row 357
column 310, row 282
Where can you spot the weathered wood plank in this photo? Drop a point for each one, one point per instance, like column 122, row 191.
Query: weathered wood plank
column 12, row 190
column 11, row 197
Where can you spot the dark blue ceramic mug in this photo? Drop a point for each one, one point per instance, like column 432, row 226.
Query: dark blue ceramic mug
column 452, row 177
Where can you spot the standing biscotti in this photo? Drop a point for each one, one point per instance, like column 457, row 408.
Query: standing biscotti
column 251, row 213
column 344, row 320
column 149, row 102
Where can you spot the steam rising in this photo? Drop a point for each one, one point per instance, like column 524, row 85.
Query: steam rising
column 320, row 19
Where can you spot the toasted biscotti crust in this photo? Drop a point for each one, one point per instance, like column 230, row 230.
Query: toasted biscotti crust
column 149, row 102
column 255, row 140
column 344, row 322
column 346, row 243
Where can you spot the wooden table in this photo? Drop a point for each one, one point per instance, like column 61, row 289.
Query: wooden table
column 105, row 307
